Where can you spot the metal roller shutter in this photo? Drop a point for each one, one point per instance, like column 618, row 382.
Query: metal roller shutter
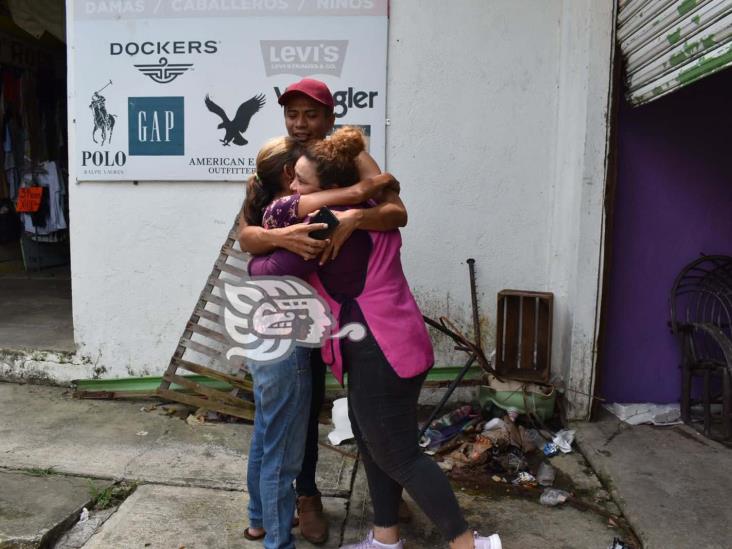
column 669, row 44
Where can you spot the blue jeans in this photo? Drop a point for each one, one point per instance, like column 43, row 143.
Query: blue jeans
column 282, row 393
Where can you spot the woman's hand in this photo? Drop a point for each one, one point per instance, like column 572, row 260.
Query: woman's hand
column 296, row 238
column 349, row 221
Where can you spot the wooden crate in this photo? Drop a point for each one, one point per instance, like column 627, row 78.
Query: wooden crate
column 524, row 335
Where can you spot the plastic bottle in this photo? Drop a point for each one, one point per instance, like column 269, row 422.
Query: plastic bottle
column 546, row 474
column 552, row 497
column 536, row 438
column 453, row 417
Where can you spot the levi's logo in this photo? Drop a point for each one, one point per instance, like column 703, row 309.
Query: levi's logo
column 303, row 57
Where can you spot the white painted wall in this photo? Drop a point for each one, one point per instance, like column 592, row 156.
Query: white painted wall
column 498, row 137
column 498, row 113
column 575, row 254
column 473, row 92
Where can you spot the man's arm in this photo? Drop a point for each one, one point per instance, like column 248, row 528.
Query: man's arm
column 390, row 213
column 296, row 238
column 387, row 216
column 367, row 166
column 347, row 196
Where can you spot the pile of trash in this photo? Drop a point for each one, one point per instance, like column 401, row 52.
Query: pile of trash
column 505, row 444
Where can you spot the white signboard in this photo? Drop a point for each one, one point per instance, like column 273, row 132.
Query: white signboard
column 187, row 90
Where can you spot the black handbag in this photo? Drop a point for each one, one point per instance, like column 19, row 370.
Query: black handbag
column 10, row 226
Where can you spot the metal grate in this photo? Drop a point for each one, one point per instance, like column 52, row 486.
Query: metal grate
column 524, row 335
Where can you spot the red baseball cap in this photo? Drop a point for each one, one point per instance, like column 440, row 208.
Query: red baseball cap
column 314, row 89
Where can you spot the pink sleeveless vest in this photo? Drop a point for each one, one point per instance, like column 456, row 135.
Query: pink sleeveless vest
column 389, row 309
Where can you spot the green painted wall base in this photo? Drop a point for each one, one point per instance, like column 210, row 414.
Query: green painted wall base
column 145, row 385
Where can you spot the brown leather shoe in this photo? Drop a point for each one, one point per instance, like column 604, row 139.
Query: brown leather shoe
column 313, row 522
column 405, row 513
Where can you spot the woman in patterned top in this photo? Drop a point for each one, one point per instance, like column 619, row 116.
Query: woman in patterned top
column 282, row 389
column 365, row 284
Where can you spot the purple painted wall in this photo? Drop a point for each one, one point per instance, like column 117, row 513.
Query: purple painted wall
column 673, row 201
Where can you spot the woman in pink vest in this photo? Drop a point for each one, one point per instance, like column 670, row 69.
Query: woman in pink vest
column 365, row 284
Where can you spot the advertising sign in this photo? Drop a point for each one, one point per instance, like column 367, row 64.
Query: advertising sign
column 186, row 90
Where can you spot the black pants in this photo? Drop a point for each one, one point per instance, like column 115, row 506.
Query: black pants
column 382, row 408
column 305, row 482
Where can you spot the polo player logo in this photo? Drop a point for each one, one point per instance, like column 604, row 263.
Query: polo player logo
column 267, row 317
column 236, row 127
column 103, row 121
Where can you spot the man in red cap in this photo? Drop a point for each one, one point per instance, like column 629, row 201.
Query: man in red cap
column 308, row 108
column 309, row 115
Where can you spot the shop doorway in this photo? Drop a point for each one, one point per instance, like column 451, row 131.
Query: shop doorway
column 35, row 279
column 673, row 203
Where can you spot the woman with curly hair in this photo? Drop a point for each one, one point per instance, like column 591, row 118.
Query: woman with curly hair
column 282, row 389
column 386, row 369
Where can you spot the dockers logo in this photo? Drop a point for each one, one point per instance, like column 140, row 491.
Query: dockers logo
column 303, row 57
column 235, row 128
column 163, row 71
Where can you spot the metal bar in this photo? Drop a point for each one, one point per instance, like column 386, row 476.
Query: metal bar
column 474, row 303
column 447, row 394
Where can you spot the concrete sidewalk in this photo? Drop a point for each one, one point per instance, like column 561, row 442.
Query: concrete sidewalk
column 191, row 486
column 673, row 485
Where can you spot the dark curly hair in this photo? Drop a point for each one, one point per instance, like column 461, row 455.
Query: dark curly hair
column 335, row 157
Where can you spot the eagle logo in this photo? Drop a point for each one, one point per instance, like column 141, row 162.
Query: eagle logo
column 236, row 127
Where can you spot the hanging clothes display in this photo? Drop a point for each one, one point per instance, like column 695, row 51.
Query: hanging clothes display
column 50, row 217
column 33, row 154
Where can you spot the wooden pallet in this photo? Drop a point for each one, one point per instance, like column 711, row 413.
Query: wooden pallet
column 201, row 348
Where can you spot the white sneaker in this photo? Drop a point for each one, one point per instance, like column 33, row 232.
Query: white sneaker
column 491, row 542
column 371, row 543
